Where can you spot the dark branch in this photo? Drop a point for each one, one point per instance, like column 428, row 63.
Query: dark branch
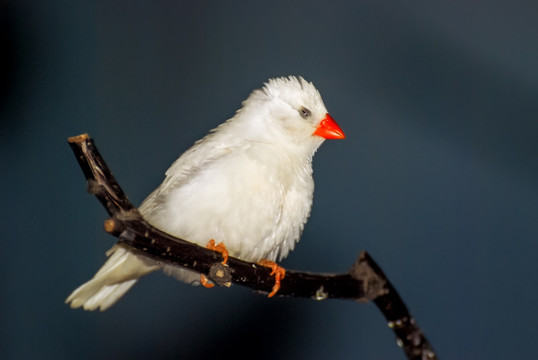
column 364, row 282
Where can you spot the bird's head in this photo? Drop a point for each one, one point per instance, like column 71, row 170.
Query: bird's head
column 289, row 110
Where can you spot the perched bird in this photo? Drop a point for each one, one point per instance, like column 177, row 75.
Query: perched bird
column 247, row 184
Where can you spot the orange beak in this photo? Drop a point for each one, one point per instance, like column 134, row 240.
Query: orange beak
column 329, row 129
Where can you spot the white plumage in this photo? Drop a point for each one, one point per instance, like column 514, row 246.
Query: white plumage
column 247, row 184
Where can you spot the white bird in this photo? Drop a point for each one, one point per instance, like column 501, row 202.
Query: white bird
column 247, row 184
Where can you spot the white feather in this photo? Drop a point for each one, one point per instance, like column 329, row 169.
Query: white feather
column 247, row 184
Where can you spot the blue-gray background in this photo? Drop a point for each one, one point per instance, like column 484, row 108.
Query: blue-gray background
column 437, row 178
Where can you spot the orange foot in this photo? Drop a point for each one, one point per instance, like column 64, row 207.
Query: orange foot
column 278, row 271
column 221, row 248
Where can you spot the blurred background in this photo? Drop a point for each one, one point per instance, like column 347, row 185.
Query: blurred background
column 437, row 178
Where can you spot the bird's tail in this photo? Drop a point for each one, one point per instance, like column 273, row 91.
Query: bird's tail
column 116, row 276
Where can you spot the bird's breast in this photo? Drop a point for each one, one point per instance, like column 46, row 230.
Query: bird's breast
column 257, row 206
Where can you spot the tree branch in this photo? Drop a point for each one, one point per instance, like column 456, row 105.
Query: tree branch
column 364, row 282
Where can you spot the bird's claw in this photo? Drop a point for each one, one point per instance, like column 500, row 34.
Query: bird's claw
column 278, row 271
column 205, row 281
column 220, row 248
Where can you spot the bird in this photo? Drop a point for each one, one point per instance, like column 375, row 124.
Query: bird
column 247, row 184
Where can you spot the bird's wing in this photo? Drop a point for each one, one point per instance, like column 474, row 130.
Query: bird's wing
column 202, row 154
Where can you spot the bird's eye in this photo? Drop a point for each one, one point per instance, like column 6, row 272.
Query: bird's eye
column 305, row 113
